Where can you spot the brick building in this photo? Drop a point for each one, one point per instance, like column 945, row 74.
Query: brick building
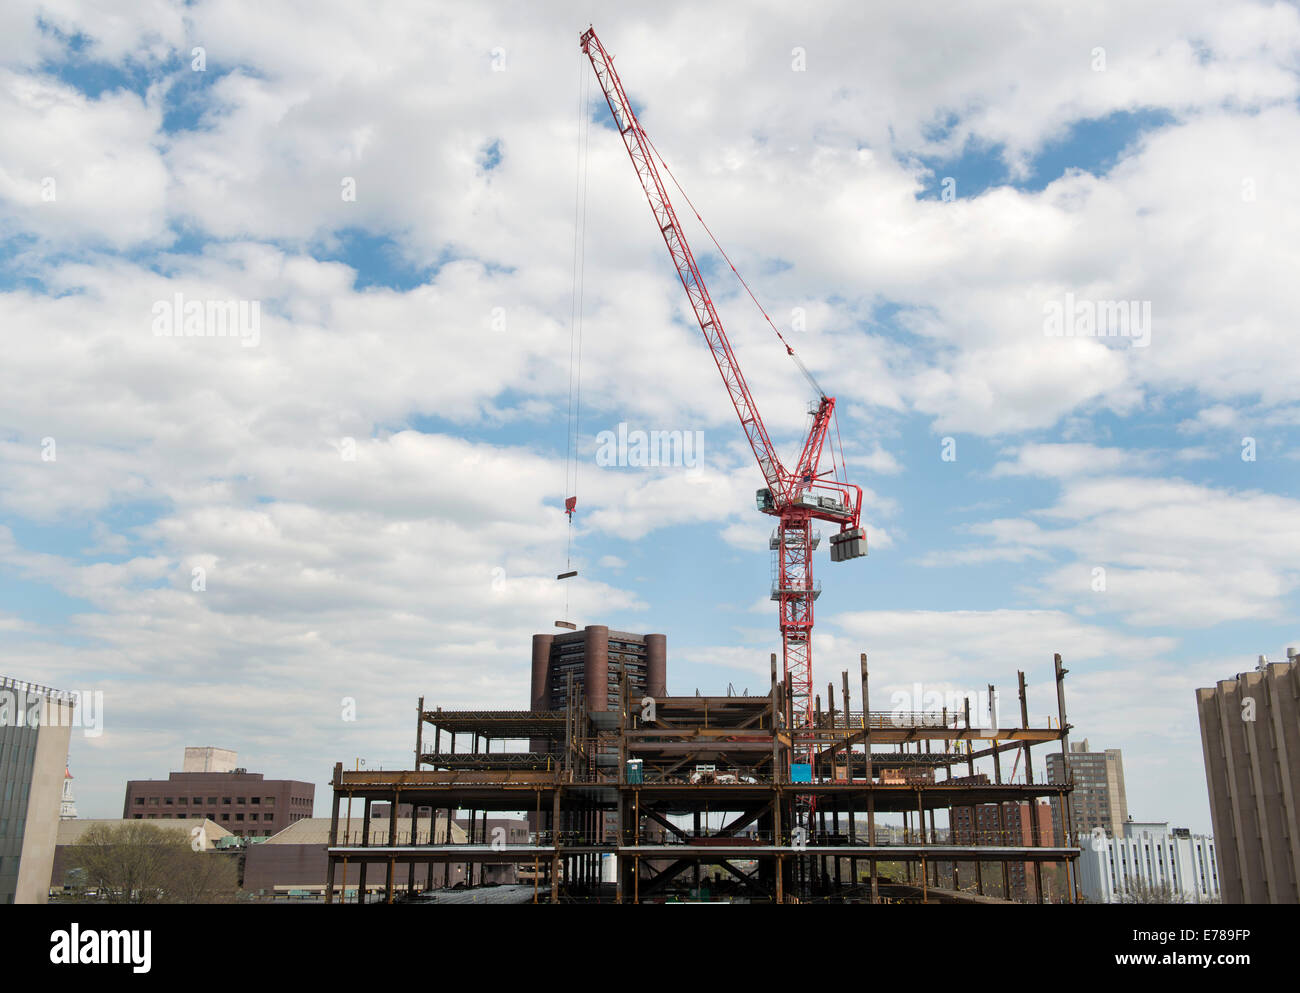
column 592, row 658
column 244, row 803
column 1014, row 828
column 295, row 861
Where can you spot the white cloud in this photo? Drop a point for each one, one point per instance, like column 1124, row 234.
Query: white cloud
column 430, row 557
column 1063, row 460
column 79, row 170
column 1171, row 552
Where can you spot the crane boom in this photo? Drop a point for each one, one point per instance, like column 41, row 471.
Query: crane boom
column 638, row 148
column 795, row 498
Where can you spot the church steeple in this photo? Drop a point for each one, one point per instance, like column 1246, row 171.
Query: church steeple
column 68, row 808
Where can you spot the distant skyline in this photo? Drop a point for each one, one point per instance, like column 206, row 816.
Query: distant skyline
column 345, row 490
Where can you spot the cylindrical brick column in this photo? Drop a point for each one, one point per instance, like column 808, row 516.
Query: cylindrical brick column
column 540, row 696
column 656, row 665
column 596, row 666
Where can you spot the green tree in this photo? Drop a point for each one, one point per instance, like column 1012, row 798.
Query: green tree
column 143, row 863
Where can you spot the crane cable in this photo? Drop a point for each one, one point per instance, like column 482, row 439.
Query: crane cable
column 789, row 350
column 842, row 467
column 575, row 314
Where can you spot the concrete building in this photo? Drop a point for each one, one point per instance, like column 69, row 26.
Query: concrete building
column 244, row 803
column 1250, row 736
column 35, row 728
column 1149, row 863
column 1098, row 799
column 295, row 861
column 209, row 759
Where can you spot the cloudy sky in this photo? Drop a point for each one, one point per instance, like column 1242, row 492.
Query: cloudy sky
column 371, row 489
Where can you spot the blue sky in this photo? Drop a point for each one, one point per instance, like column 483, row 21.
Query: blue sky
column 397, row 194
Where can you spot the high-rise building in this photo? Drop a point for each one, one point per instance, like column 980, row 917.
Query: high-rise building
column 1098, row 799
column 35, row 727
column 1149, row 863
column 593, row 658
column 591, row 661
column 242, row 802
column 1250, row 736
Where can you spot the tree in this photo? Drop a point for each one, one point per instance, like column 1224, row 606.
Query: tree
column 1139, row 891
column 143, row 863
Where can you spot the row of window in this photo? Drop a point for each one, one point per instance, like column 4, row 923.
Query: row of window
column 239, row 818
column 184, row 801
column 18, row 752
column 210, row 816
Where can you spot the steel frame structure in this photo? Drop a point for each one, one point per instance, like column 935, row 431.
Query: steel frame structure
column 663, row 817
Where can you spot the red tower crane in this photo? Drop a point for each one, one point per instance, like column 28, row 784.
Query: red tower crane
column 795, row 498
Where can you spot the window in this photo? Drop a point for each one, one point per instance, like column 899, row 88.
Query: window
column 239, row 817
column 183, row 801
column 252, row 817
column 270, row 801
column 169, row 802
column 139, row 801
column 225, row 817
column 225, row 801
column 212, row 801
column 153, row 801
column 268, row 817
column 256, row 800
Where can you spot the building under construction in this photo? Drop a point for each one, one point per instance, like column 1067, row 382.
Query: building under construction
column 695, row 797
column 633, row 794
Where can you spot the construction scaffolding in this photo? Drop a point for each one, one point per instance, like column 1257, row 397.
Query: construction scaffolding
column 637, row 803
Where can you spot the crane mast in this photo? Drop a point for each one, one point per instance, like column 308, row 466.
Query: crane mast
column 797, row 498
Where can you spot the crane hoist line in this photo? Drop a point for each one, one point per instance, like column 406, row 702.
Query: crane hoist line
column 795, row 497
